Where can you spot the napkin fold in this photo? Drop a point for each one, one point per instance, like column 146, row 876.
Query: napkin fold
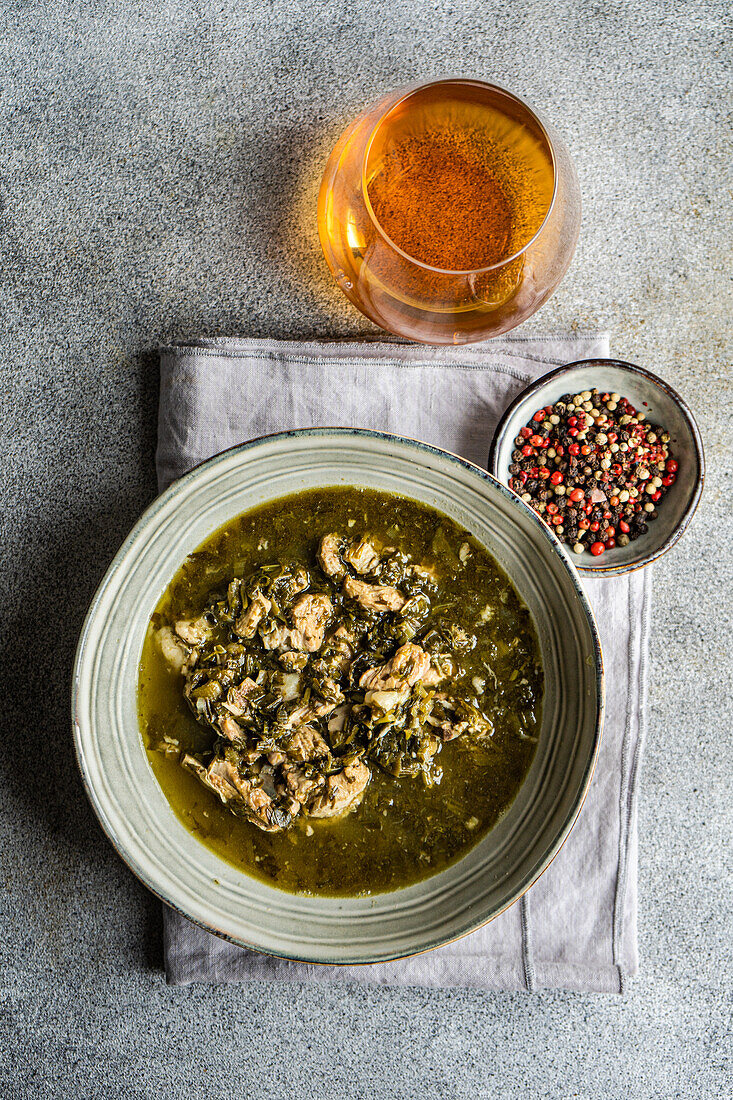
column 576, row 927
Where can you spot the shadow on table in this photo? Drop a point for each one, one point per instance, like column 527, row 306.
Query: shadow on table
column 279, row 224
column 61, row 555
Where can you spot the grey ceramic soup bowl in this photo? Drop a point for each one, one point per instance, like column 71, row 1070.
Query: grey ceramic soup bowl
column 188, row 876
column 661, row 405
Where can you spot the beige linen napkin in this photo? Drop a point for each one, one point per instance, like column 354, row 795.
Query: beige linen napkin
column 576, row 927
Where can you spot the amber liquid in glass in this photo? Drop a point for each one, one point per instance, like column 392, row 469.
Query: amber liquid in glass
column 457, row 184
column 447, row 213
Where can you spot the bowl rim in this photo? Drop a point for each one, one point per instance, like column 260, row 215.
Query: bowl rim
column 630, row 368
column 117, row 565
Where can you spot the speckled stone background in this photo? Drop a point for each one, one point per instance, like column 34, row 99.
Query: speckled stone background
column 158, row 179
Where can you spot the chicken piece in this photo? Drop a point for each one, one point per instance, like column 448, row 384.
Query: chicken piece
column 281, row 636
column 172, row 648
column 224, row 780
column 409, row 664
column 343, row 791
column 277, row 638
column 261, row 810
column 216, row 779
column 374, row 597
column 239, row 701
column 329, row 558
column 193, row 631
column 362, row 556
column 276, row 757
column 302, row 782
column 310, row 615
column 231, row 729
column 247, row 623
column 306, row 744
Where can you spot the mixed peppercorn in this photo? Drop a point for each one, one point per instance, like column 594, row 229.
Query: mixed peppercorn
column 593, row 468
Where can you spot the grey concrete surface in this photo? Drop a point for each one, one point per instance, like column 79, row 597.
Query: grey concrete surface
column 158, row 179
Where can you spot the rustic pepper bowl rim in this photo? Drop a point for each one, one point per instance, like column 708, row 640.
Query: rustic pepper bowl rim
column 527, row 396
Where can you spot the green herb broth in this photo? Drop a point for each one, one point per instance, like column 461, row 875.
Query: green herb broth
column 402, row 831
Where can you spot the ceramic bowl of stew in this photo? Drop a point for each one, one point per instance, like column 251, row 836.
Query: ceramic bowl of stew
column 210, row 890
column 662, row 406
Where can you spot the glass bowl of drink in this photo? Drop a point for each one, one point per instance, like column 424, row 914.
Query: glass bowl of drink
column 449, row 212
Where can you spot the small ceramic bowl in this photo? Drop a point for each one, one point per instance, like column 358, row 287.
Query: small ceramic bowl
column 190, row 877
column 661, row 405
